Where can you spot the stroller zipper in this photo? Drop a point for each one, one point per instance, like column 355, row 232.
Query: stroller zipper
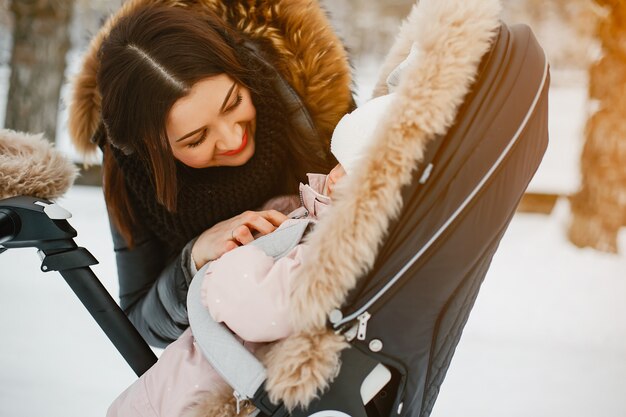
column 239, row 399
column 354, row 330
column 362, row 327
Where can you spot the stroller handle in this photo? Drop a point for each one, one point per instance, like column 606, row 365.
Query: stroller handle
column 9, row 225
column 34, row 222
column 110, row 318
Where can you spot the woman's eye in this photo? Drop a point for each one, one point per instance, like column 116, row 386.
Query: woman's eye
column 197, row 142
column 236, row 102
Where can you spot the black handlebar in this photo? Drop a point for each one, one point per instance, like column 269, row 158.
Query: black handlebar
column 8, row 225
column 27, row 222
column 110, row 318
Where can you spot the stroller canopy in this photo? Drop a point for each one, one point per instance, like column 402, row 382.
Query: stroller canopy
column 397, row 263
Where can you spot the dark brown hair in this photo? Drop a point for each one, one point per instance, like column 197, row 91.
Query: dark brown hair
column 150, row 59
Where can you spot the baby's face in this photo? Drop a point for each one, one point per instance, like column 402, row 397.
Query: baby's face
column 333, row 177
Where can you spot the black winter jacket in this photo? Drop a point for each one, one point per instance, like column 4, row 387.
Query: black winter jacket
column 153, row 290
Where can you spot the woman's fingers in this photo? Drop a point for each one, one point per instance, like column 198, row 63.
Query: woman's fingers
column 255, row 223
column 275, row 217
column 242, row 234
column 263, row 222
column 228, row 246
column 234, row 232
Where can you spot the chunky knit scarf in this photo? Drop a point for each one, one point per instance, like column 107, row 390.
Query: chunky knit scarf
column 209, row 195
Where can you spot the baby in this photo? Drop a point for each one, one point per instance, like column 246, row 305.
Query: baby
column 248, row 288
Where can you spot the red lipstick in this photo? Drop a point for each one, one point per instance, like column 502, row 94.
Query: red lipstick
column 244, row 142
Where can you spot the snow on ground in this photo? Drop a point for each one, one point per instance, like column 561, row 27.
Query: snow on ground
column 55, row 361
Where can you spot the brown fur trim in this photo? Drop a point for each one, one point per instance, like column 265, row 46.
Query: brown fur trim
column 306, row 369
column 30, row 165
column 218, row 403
column 312, row 58
column 302, row 366
column 322, row 74
column 84, row 108
column 452, row 35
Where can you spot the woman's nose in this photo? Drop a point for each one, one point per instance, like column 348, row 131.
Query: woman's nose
column 228, row 138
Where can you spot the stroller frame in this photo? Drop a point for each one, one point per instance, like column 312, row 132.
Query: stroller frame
column 36, row 222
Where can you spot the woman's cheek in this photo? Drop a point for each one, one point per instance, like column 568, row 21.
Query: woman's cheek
column 198, row 157
column 250, row 110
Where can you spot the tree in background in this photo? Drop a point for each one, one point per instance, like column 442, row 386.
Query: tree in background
column 368, row 27
column 565, row 29
column 40, row 44
column 599, row 208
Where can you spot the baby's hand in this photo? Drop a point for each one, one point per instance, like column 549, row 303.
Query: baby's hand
column 332, row 178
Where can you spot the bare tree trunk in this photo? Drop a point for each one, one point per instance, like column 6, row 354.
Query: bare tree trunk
column 599, row 208
column 40, row 44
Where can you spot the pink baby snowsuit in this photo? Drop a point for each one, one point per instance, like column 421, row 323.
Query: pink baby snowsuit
column 248, row 291
column 247, row 277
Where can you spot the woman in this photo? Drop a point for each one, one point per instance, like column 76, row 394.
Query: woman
column 200, row 125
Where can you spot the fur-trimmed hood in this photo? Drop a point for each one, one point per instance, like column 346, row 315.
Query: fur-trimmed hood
column 310, row 58
column 452, row 36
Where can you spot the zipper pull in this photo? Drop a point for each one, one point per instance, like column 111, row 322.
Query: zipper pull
column 362, row 329
column 239, row 399
column 300, row 194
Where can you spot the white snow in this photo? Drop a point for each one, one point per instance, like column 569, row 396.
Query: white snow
column 55, row 360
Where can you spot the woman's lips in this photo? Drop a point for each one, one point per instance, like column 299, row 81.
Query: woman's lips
column 244, row 142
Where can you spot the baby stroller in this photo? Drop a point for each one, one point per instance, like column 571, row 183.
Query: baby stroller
column 403, row 318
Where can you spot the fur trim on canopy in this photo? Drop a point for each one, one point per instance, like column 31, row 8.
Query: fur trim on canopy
column 311, row 58
column 30, row 165
column 452, row 36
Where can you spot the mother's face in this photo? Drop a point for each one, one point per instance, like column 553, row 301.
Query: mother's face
column 213, row 125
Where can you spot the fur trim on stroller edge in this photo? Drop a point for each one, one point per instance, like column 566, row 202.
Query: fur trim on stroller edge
column 452, row 37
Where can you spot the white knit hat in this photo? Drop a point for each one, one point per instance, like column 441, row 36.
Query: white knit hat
column 355, row 131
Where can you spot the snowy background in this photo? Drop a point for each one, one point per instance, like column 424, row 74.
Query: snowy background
column 547, row 336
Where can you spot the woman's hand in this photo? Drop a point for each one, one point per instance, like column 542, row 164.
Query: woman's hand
column 229, row 234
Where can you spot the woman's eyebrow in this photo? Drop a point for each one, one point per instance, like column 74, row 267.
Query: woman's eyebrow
column 189, row 134
column 230, row 91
